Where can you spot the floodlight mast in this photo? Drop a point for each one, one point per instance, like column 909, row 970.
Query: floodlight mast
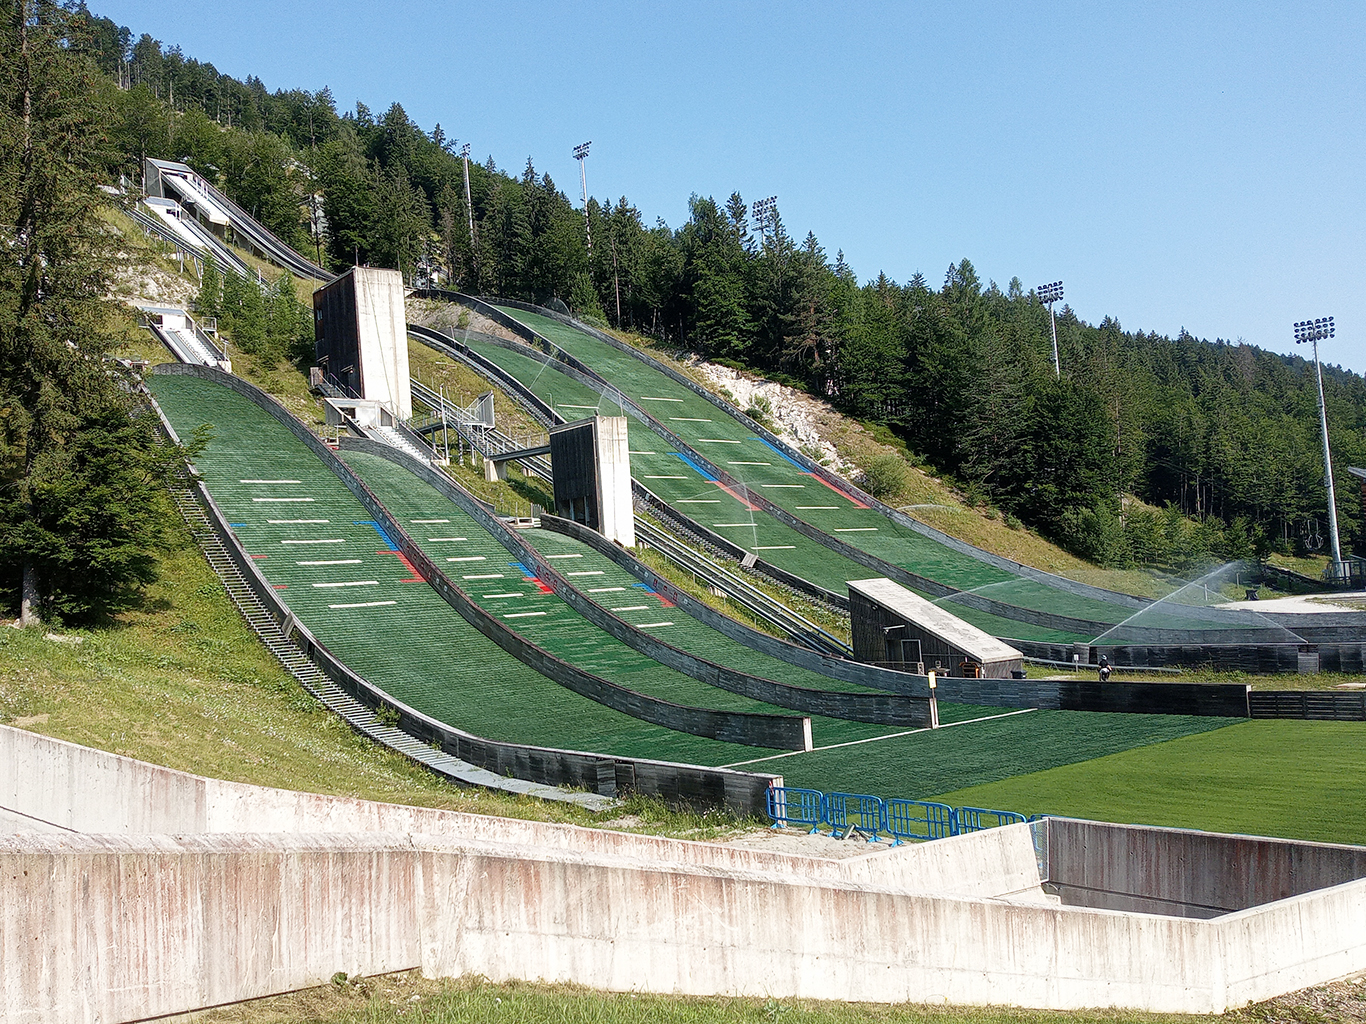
column 581, row 155
column 1311, row 331
column 1049, row 294
column 469, row 208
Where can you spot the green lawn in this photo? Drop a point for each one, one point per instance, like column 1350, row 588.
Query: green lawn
column 1301, row 780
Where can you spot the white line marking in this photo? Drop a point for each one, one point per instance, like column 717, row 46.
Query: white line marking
column 490, row 597
column 363, row 604
column 575, row 555
column 486, row 576
column 750, row 463
column 270, row 481
column 783, row 485
column 856, row 529
column 563, row 406
column 281, row 501
column 350, row 583
column 688, row 419
column 429, row 520
column 525, row 615
column 648, row 398
column 587, row 572
column 733, row 524
column 879, row 739
column 818, row 506
column 602, row 590
column 649, row 625
column 697, row 501
column 776, row 547
column 277, row 522
column 437, row 540
column 333, row 561
column 631, row 608
column 334, row 540
column 629, row 452
column 666, row 478
column 719, row 440
column 468, row 558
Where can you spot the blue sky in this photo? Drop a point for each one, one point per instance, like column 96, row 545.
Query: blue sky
column 1174, row 164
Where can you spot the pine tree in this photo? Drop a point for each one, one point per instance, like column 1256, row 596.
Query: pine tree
column 79, row 504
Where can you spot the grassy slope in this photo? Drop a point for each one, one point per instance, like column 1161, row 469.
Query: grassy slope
column 1301, row 780
column 471, row 1000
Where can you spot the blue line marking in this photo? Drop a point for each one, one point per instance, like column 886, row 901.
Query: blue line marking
column 379, row 530
column 695, row 467
column 779, row 452
column 236, row 526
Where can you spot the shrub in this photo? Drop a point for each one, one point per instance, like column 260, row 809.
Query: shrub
column 885, row 475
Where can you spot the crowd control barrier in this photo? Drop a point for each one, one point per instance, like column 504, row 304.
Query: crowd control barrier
column 872, row 816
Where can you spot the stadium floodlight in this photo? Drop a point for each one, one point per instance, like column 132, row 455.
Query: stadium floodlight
column 581, row 155
column 469, row 209
column 1049, row 294
column 1311, row 332
column 762, row 210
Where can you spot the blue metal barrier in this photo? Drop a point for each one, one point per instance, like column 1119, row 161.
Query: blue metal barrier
column 856, row 812
column 796, row 807
column 847, row 813
column 920, row 819
column 974, row 819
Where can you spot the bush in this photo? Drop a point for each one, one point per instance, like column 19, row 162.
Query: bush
column 885, row 476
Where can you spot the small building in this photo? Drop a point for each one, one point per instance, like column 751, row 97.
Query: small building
column 898, row 629
column 360, row 337
column 591, row 464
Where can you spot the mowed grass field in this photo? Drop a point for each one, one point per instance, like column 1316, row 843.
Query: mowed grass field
column 1300, row 780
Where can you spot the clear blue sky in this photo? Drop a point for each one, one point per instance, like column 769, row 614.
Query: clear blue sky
column 1174, row 164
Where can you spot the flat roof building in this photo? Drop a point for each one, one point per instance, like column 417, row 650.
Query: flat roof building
column 896, row 628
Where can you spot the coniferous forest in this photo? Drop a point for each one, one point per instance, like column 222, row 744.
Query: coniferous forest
column 1219, row 440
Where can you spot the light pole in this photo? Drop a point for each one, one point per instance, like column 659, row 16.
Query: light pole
column 1049, row 294
column 762, row 210
column 469, row 208
column 581, row 155
column 1312, row 331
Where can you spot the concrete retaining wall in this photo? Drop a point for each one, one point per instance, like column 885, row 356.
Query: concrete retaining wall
column 1188, row 873
column 129, row 926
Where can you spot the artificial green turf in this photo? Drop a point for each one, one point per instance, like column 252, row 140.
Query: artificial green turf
column 425, row 654
column 1301, row 780
column 658, row 467
column 417, row 649
column 927, row 762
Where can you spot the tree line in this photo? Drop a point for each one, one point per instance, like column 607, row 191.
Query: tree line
column 1221, row 436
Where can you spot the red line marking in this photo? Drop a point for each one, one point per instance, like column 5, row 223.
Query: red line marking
column 852, row 500
column 260, row 556
column 416, row 576
column 543, row 588
column 281, row 586
column 743, row 501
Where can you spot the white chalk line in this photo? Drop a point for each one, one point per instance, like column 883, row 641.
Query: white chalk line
column 879, row 739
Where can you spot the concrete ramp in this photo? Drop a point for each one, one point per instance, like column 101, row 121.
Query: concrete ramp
column 166, row 892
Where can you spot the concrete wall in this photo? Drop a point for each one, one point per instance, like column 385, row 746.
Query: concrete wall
column 120, row 927
column 614, row 481
column 383, row 329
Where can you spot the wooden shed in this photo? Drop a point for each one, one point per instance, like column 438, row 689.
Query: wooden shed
column 898, row 629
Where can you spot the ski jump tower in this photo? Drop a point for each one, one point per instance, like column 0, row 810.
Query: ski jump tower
column 361, row 337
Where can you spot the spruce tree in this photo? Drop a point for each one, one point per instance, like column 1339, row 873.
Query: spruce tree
column 79, row 502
